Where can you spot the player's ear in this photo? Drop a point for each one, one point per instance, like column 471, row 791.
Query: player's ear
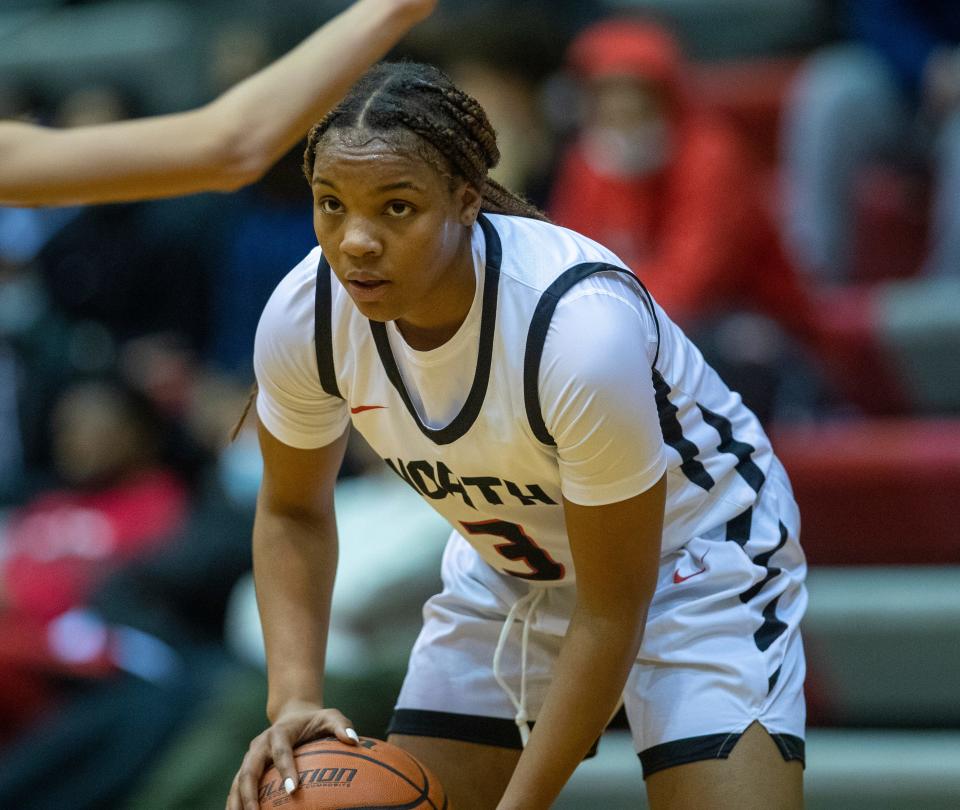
column 469, row 199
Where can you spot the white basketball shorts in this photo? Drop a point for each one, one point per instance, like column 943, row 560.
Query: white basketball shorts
column 721, row 648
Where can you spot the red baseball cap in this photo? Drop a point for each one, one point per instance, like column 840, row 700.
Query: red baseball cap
column 621, row 47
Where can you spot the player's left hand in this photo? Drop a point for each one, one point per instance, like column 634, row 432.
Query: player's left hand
column 296, row 723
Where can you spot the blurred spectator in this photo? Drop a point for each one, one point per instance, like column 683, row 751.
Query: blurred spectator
column 238, row 48
column 143, row 648
column 891, row 95
column 510, row 99
column 24, row 231
column 23, row 308
column 117, row 502
column 262, row 234
column 668, row 186
column 93, row 104
column 22, row 102
column 507, row 68
column 164, row 368
column 40, row 350
column 123, row 265
column 178, row 593
column 251, row 239
column 34, row 340
column 112, row 265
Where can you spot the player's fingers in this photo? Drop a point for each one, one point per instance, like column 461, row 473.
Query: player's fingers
column 282, row 754
column 233, row 797
column 248, row 780
column 342, row 727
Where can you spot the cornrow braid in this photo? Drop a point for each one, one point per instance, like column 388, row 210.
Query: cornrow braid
column 421, row 99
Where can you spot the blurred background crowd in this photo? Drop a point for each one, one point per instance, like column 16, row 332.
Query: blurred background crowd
column 784, row 175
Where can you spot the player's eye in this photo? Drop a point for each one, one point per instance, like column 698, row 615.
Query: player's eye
column 399, row 209
column 329, row 205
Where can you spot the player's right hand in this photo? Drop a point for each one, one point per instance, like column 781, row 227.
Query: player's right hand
column 296, row 723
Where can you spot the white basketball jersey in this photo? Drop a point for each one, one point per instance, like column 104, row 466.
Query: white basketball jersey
column 491, row 465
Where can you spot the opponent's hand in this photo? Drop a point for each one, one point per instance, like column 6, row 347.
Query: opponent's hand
column 297, row 722
column 417, row 9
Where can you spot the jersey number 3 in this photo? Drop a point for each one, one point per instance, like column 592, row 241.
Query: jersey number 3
column 519, row 546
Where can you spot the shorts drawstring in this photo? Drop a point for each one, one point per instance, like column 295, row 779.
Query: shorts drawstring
column 530, row 601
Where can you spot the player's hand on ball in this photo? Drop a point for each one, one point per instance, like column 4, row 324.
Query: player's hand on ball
column 297, row 722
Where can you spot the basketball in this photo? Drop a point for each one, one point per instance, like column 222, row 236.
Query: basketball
column 334, row 776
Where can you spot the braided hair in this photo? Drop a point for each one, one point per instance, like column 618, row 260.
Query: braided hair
column 420, row 99
column 452, row 133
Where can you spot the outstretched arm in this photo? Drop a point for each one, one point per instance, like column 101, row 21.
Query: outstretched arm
column 218, row 147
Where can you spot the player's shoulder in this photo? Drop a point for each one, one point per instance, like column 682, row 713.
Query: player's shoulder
column 298, row 284
column 537, row 252
column 291, row 305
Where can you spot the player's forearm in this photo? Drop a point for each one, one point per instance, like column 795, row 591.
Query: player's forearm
column 267, row 113
column 295, row 560
column 588, row 680
column 221, row 146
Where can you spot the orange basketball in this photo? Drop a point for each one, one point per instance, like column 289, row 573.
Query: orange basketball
column 335, row 776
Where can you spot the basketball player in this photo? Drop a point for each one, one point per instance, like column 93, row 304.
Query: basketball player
column 219, row 147
column 607, row 491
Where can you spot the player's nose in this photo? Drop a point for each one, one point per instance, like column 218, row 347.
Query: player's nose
column 360, row 239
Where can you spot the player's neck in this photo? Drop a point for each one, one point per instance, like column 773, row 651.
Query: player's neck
column 442, row 313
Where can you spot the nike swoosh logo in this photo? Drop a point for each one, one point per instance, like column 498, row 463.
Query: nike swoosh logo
column 362, row 408
column 677, row 579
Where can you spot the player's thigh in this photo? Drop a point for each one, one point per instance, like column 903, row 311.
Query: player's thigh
column 474, row 776
column 754, row 777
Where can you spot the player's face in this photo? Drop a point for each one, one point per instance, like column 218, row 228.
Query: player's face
column 396, row 232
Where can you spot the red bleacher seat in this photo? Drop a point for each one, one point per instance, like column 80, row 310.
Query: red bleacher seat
column 891, row 223
column 850, row 349
column 881, row 492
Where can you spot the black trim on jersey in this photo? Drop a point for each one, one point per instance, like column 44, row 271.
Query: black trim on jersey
column 748, row 470
column 464, row 420
column 672, row 432
column 763, row 560
column 464, row 727
column 323, row 330
column 689, row 465
column 791, row 747
column 772, row 628
column 738, row 528
column 540, row 325
column 738, row 531
column 710, row 746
